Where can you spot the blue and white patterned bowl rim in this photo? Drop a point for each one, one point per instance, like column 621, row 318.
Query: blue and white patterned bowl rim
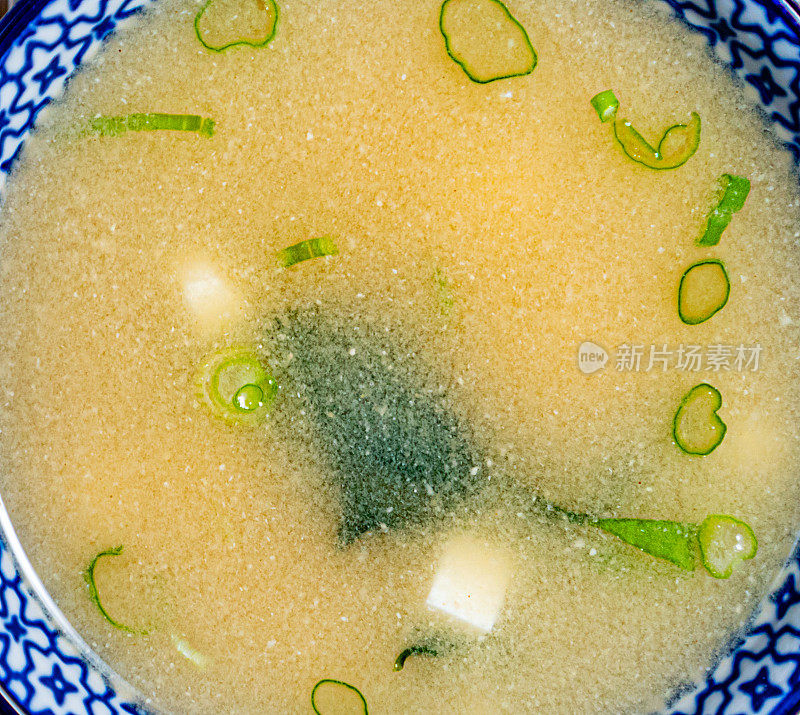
column 48, row 668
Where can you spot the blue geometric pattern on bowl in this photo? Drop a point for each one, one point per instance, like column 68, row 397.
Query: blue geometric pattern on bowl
column 42, row 667
column 48, row 668
column 39, row 60
column 758, row 39
column 762, row 675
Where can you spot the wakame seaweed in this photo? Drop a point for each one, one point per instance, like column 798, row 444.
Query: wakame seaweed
column 422, row 649
column 399, row 452
column 375, row 414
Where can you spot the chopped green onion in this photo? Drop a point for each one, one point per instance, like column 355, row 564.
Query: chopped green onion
column 89, row 577
column 400, row 662
column 734, row 191
column 703, row 291
column 670, row 540
column 236, row 386
column 485, row 40
column 606, row 105
column 334, row 693
column 697, row 428
column 443, row 292
column 189, row 652
column 673, row 541
column 221, row 24
column 724, row 543
column 303, row 251
column 114, row 126
column 677, row 144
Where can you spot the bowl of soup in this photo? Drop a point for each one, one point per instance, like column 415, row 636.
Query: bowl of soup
column 399, row 357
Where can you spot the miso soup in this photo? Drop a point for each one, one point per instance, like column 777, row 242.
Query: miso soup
column 408, row 356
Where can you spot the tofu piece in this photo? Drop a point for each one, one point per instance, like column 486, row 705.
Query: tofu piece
column 471, row 582
column 210, row 298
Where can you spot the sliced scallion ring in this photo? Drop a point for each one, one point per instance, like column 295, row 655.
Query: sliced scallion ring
column 486, row 40
column 733, row 192
column 328, row 694
column 94, row 595
column 606, row 105
column 678, row 144
column 221, row 24
column 236, row 386
column 725, row 542
column 306, row 250
column 248, row 398
column 697, row 428
column 703, row 291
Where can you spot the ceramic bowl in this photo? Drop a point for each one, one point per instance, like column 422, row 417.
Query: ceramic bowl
column 46, row 667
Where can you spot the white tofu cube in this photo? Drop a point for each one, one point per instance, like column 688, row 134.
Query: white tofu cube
column 211, row 300
column 470, row 583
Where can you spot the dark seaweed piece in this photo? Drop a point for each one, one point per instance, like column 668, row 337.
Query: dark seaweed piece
column 382, row 424
column 423, row 649
column 378, row 418
column 432, row 643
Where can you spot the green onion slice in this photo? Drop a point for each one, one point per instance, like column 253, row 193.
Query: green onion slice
column 305, row 250
column 725, row 542
column 606, row 105
column 188, row 651
column 88, row 576
column 444, row 292
column 236, row 386
column 670, row 540
column 733, row 191
column 676, row 147
column 720, row 541
column 221, row 24
column 248, row 398
column 703, row 291
column 332, row 695
column 114, row 126
column 400, row 662
column 486, row 40
column 697, row 428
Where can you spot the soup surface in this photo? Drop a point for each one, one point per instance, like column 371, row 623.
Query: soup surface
column 485, row 231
